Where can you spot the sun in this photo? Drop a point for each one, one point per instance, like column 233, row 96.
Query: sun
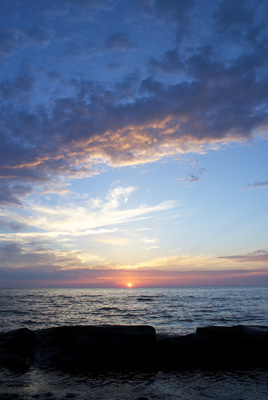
column 129, row 285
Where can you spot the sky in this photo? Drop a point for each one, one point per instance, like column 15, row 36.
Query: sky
column 133, row 143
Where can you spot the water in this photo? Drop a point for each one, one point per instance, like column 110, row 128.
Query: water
column 176, row 310
column 172, row 310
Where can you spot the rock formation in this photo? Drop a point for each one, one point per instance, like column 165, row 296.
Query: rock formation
column 95, row 348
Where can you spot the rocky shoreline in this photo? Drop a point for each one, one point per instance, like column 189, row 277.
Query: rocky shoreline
column 111, row 347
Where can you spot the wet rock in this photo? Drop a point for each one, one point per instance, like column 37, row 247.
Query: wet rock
column 237, row 331
column 236, row 346
column 16, row 349
column 217, row 346
column 142, row 398
column 94, row 347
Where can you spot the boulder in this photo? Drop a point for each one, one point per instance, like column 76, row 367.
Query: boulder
column 96, row 347
column 217, row 347
column 236, row 346
column 16, row 349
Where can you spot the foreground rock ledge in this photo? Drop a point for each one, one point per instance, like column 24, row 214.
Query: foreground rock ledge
column 94, row 348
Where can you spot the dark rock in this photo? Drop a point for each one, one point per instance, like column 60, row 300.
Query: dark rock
column 181, row 351
column 236, row 331
column 236, row 346
column 216, row 346
column 94, row 347
column 16, row 349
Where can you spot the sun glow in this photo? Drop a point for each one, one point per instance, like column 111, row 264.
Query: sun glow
column 129, row 285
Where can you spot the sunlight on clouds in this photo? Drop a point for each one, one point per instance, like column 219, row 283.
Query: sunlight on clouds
column 152, row 141
column 121, row 241
column 76, row 220
column 202, row 262
column 82, row 225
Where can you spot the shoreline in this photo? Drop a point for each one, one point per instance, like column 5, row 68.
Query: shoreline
column 112, row 362
column 108, row 347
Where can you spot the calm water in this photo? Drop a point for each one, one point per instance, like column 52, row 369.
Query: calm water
column 168, row 310
column 175, row 310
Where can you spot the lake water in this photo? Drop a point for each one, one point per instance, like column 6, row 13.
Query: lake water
column 175, row 310
column 172, row 310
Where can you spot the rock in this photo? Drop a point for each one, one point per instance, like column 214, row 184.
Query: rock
column 236, row 346
column 94, row 347
column 16, row 349
column 217, row 347
column 236, row 331
column 142, row 398
column 180, row 352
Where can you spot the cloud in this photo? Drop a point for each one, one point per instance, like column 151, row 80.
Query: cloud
column 19, row 89
column 127, row 88
column 229, row 18
column 94, row 216
column 40, row 36
column 13, row 40
column 258, row 185
column 172, row 10
column 175, row 12
column 92, row 4
column 10, row 225
column 11, row 195
column 192, row 178
column 38, row 255
column 10, row 40
column 98, row 127
column 98, row 277
column 259, row 256
column 79, row 127
column 170, row 62
column 114, row 66
column 119, row 41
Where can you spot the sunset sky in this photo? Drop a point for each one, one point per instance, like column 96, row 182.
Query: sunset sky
column 133, row 143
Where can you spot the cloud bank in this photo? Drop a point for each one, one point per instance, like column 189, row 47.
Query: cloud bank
column 192, row 98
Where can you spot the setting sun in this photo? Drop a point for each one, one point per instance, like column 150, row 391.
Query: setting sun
column 129, row 285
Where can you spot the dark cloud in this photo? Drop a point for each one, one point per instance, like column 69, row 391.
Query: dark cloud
column 193, row 178
column 54, row 76
column 190, row 178
column 260, row 256
column 92, row 4
column 73, row 50
column 128, row 86
column 10, row 40
column 175, row 12
column 144, row 6
column 114, row 66
column 35, row 255
column 212, row 97
column 104, row 277
column 172, row 10
column 19, row 89
column 242, row 25
column 74, row 10
column 40, row 36
column 228, row 17
column 170, row 62
column 9, row 225
column 194, row 114
column 119, row 41
column 258, row 185
column 11, row 194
